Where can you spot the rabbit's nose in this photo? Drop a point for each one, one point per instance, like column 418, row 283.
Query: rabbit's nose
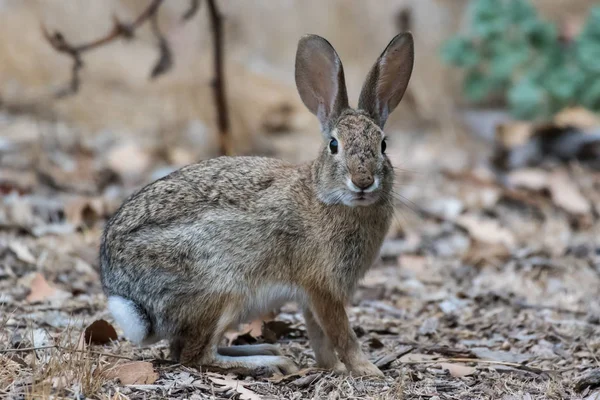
column 363, row 181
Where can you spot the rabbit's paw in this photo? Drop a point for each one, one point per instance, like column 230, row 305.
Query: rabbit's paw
column 276, row 365
column 365, row 368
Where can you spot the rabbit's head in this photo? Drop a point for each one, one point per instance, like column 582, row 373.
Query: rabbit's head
column 352, row 168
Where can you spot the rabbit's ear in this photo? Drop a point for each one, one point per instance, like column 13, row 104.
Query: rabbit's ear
column 320, row 80
column 387, row 81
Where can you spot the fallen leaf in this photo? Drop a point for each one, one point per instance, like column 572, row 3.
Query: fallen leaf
column 305, row 381
column 134, row 373
column 494, row 355
column 275, row 330
column 278, row 378
column 22, row 252
column 238, row 386
column 486, row 230
column 480, row 254
column 246, row 334
column 577, row 117
column 129, row 160
column 566, row 195
column 514, row 134
column 84, row 211
column 100, row 332
column 417, row 358
column 529, row 178
column 458, row 370
column 400, row 353
column 40, row 289
column 416, row 264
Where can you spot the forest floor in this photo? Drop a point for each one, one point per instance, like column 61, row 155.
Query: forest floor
column 487, row 288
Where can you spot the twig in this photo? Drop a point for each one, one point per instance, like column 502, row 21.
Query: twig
column 98, row 353
column 24, row 349
column 522, row 304
column 119, row 30
column 218, row 80
column 480, row 361
column 165, row 60
column 194, row 7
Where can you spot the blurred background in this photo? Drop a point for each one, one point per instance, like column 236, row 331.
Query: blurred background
column 497, row 144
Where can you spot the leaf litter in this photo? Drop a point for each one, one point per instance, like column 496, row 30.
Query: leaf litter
column 487, row 284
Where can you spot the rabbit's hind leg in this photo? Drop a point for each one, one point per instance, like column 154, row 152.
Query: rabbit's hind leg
column 200, row 348
column 264, row 349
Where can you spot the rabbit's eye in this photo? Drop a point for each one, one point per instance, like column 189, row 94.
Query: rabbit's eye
column 333, row 146
column 383, row 146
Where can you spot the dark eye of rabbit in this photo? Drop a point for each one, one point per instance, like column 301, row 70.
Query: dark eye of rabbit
column 333, row 146
column 383, row 146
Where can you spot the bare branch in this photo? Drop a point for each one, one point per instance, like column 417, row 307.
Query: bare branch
column 165, row 59
column 194, row 7
column 219, row 77
column 119, row 30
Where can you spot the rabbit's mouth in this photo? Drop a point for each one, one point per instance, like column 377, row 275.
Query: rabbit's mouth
column 363, row 199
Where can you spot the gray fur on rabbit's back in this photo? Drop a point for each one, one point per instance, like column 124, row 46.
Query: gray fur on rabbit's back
column 224, row 229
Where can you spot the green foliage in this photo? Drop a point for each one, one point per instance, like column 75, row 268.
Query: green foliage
column 511, row 53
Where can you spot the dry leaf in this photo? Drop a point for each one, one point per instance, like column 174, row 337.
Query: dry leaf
column 480, row 253
column 416, row 265
column 129, row 160
column 486, row 230
column 278, row 378
column 496, row 355
column 238, row 386
column 417, row 357
column 458, row 370
column 100, row 332
column 22, row 252
column 86, row 211
column 250, row 330
column 529, row 178
column 577, row 117
column 274, row 330
column 134, row 373
column 566, row 195
column 514, row 134
column 40, row 289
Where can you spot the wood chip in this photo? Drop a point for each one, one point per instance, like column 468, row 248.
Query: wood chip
column 134, row 373
column 566, row 194
column 238, row 386
column 458, row 370
column 390, row 358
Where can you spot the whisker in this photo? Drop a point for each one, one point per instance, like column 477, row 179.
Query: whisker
column 412, row 206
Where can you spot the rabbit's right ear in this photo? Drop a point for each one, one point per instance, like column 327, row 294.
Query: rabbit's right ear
column 387, row 81
column 320, row 80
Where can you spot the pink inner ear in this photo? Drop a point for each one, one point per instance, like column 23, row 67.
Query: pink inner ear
column 394, row 72
column 325, row 80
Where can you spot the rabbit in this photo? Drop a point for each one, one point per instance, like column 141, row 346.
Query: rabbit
column 229, row 239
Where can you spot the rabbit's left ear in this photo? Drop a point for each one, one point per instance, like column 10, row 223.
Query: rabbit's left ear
column 387, row 81
column 320, row 80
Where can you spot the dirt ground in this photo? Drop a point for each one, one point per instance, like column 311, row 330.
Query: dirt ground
column 487, row 287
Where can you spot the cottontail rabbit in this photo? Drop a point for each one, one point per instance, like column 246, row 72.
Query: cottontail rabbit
column 226, row 240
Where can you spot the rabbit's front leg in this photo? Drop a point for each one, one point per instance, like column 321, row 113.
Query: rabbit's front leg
column 330, row 313
column 321, row 345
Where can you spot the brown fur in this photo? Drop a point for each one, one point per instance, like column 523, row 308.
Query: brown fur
column 220, row 242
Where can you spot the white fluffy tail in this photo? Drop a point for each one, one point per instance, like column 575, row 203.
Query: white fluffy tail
column 134, row 323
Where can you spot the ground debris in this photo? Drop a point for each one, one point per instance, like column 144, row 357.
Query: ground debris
column 486, row 287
